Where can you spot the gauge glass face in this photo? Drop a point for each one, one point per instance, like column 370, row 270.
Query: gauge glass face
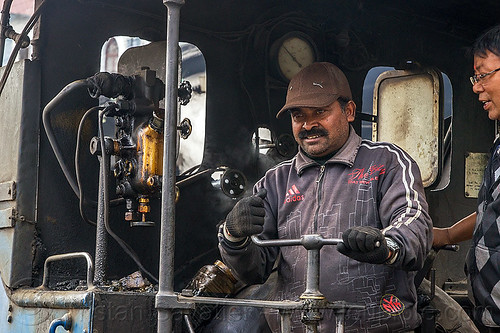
column 294, row 54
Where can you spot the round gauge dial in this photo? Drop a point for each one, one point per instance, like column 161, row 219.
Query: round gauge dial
column 294, row 51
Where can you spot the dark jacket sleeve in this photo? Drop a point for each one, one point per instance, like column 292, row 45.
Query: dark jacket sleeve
column 250, row 263
column 403, row 212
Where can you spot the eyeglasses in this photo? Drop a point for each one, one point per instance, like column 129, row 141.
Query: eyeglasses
column 478, row 77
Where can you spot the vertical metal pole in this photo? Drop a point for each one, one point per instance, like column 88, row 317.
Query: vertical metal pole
column 101, row 237
column 312, row 274
column 312, row 316
column 4, row 22
column 286, row 321
column 339, row 319
column 167, row 233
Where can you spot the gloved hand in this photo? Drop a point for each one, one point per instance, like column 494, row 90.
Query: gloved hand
column 365, row 244
column 247, row 216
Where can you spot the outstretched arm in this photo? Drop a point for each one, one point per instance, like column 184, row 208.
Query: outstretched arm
column 250, row 263
column 459, row 232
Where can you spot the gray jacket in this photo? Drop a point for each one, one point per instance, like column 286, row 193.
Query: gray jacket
column 365, row 183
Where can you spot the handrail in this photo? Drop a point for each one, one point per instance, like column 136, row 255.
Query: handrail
column 308, row 241
column 73, row 255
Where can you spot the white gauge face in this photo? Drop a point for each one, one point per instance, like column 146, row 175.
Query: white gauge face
column 294, row 54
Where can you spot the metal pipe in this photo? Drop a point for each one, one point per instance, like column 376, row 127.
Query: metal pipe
column 102, row 207
column 305, row 240
column 312, row 298
column 286, row 321
column 65, row 321
column 167, row 233
column 4, row 23
column 312, row 275
column 73, row 255
column 101, row 237
column 192, row 178
column 53, row 299
column 189, row 324
column 54, row 102
column 280, row 305
column 275, row 242
column 29, row 25
column 433, row 283
column 339, row 320
column 18, row 38
column 285, row 308
column 101, row 252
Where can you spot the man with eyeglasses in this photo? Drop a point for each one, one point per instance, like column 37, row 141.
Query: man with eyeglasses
column 483, row 259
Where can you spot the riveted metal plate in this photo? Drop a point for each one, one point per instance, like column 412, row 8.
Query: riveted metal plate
column 6, row 220
column 474, row 170
column 8, row 191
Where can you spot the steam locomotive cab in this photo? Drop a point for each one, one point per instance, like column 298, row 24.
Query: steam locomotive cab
column 83, row 195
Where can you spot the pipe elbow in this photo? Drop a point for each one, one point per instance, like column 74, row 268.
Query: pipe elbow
column 65, row 321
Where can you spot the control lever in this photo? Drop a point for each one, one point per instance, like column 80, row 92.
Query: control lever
column 312, row 297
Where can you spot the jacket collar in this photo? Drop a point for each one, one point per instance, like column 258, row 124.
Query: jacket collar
column 345, row 155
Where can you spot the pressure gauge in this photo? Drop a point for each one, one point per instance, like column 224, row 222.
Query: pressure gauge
column 292, row 52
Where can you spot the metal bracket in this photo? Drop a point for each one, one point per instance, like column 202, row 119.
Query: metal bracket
column 366, row 117
column 7, row 217
column 185, row 128
column 171, row 301
column 8, row 191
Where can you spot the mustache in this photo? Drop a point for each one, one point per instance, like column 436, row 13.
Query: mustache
column 314, row 131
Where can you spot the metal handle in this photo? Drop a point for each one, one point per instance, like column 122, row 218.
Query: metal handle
column 308, row 241
column 58, row 257
column 312, row 298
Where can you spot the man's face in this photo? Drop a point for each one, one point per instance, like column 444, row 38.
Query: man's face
column 488, row 88
column 321, row 131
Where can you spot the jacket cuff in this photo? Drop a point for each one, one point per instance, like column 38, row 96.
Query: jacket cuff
column 231, row 241
column 231, row 238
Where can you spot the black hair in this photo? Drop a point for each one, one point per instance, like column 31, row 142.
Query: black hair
column 488, row 41
column 343, row 102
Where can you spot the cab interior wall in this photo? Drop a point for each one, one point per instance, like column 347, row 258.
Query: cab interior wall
column 242, row 94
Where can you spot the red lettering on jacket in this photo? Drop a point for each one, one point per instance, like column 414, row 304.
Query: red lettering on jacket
column 294, row 198
column 360, row 176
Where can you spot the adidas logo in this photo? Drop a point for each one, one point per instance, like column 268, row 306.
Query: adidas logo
column 293, row 194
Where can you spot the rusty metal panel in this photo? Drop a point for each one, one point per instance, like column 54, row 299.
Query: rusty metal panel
column 19, row 134
column 32, row 310
column 407, row 107
column 10, row 122
column 475, row 163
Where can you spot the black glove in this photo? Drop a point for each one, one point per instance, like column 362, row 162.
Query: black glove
column 247, row 216
column 365, row 244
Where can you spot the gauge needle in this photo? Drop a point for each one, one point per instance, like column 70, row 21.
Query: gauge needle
column 293, row 58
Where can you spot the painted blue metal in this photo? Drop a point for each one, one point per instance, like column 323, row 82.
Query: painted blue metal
column 65, row 322
column 34, row 310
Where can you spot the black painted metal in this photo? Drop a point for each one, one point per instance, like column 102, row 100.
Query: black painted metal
column 242, row 94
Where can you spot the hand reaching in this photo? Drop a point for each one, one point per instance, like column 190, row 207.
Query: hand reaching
column 247, row 216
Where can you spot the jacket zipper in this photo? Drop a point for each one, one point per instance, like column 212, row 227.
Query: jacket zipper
column 319, row 196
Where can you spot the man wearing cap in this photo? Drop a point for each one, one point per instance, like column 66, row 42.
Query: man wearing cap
column 339, row 186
